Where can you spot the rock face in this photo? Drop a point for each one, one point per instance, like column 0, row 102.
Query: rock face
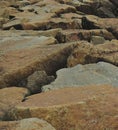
column 26, row 124
column 86, row 54
column 83, row 75
column 39, row 41
column 73, row 108
column 9, row 97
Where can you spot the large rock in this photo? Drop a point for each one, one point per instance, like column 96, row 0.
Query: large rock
column 93, row 22
column 107, row 52
column 43, row 24
column 92, row 107
column 82, row 75
column 9, row 97
column 79, row 34
column 26, row 124
column 39, row 16
column 21, row 56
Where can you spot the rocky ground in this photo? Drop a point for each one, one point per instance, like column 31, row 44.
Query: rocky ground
column 58, row 65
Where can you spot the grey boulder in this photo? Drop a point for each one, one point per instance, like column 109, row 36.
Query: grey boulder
column 101, row 73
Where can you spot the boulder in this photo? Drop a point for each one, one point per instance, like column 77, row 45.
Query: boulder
column 22, row 56
column 85, row 54
column 26, row 124
column 9, row 97
column 83, row 75
column 97, row 40
column 70, row 35
column 73, row 108
column 94, row 22
column 37, row 80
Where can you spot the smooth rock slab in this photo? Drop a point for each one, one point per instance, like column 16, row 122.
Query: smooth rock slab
column 26, row 124
column 83, row 75
column 73, row 108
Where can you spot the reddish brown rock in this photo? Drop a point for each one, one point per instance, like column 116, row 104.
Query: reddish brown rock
column 73, row 108
column 26, row 124
column 92, row 22
column 77, row 34
column 91, row 54
column 9, row 97
column 20, row 57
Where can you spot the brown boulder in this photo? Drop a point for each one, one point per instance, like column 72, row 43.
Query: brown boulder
column 94, row 22
column 73, row 108
column 21, row 56
column 87, row 53
column 37, row 80
column 9, row 97
column 115, row 2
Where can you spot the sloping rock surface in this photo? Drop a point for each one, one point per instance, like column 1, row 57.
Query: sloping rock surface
column 73, row 108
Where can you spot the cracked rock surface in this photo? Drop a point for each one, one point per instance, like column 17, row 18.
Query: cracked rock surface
column 67, row 45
